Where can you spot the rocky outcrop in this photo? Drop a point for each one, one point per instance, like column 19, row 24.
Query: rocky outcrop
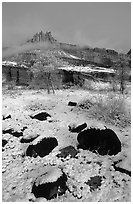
column 41, row 37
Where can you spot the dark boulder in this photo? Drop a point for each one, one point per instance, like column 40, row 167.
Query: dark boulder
column 103, row 141
column 12, row 132
column 4, row 142
column 69, row 150
column 78, row 128
column 17, row 134
column 94, row 182
column 6, row 117
column 43, row 148
column 41, row 116
column 9, row 131
column 50, row 185
column 70, row 103
column 24, row 128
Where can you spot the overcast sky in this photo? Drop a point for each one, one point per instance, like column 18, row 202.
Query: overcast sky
column 94, row 24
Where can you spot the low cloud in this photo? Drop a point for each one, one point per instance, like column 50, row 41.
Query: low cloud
column 16, row 49
column 82, row 40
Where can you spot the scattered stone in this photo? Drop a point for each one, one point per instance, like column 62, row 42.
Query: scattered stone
column 7, row 131
column 6, row 117
column 12, row 132
column 79, row 128
column 17, row 134
column 43, row 148
column 70, row 103
column 103, row 141
column 69, row 150
column 86, row 105
column 41, row 116
column 49, row 119
column 24, row 128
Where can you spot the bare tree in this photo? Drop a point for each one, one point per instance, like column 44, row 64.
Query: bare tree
column 121, row 68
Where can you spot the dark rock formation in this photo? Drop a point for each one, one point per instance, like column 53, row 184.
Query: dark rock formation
column 12, row 132
column 78, row 128
column 4, row 142
column 94, row 182
column 70, row 103
column 41, row 116
column 17, row 134
column 69, row 150
column 102, row 141
column 43, row 148
column 50, row 190
column 41, row 37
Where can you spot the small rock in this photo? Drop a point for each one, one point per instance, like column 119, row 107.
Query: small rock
column 28, row 138
column 41, row 116
column 7, row 116
column 4, row 142
column 70, row 103
column 69, row 150
column 79, row 128
column 3, row 169
column 94, row 182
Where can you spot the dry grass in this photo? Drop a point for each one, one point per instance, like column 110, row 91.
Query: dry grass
column 101, row 85
column 111, row 107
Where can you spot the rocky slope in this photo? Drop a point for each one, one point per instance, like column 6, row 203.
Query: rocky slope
column 63, row 52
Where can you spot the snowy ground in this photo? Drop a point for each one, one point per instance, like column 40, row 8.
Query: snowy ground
column 19, row 172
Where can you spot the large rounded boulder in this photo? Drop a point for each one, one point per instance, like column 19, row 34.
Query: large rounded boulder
column 102, row 141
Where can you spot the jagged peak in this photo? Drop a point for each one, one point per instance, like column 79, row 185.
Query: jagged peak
column 43, row 37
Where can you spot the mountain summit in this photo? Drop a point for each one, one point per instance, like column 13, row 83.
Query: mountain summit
column 42, row 37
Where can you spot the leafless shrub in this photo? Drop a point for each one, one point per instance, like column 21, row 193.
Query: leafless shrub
column 111, row 108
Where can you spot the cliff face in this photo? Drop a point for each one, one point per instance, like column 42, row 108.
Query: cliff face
column 129, row 53
column 41, row 37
